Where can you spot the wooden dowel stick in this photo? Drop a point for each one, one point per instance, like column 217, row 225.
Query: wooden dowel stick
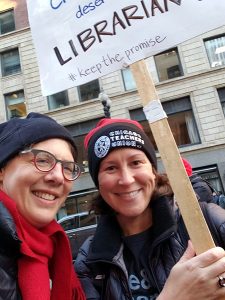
column 182, row 188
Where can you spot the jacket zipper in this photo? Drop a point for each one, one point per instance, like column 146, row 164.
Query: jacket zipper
column 127, row 291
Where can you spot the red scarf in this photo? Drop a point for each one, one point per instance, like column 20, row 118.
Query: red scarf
column 45, row 254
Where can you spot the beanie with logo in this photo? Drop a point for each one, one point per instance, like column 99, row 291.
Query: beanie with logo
column 111, row 134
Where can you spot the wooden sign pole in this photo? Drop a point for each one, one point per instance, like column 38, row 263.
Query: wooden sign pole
column 182, row 188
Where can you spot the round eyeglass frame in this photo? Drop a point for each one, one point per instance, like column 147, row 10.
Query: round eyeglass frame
column 35, row 152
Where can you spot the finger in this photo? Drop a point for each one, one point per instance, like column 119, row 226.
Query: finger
column 220, row 290
column 208, row 257
column 217, row 268
column 189, row 253
column 221, row 280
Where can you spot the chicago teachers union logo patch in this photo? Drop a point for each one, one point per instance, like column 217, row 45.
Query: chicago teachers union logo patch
column 102, row 146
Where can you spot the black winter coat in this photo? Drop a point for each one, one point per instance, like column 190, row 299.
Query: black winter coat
column 9, row 253
column 100, row 265
column 201, row 188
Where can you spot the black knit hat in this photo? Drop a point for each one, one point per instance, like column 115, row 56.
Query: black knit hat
column 110, row 134
column 17, row 134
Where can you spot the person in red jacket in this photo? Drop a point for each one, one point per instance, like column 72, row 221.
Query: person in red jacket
column 202, row 188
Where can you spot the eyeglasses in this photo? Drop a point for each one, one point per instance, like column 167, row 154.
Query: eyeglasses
column 45, row 162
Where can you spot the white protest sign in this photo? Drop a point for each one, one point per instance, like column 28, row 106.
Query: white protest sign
column 79, row 41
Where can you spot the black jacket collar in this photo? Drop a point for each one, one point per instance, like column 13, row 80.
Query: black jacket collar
column 107, row 240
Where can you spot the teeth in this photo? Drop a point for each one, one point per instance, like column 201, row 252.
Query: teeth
column 130, row 194
column 133, row 194
column 45, row 196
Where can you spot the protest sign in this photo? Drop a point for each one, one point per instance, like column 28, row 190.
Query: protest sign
column 79, row 41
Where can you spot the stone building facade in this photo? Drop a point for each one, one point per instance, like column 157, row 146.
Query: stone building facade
column 189, row 79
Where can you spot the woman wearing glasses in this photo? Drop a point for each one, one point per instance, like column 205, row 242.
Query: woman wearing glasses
column 37, row 169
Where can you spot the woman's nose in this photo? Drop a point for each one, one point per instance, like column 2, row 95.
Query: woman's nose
column 56, row 174
column 126, row 176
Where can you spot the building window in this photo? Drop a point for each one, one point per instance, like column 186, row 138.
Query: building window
column 168, row 64
column 10, row 62
column 79, row 132
column 77, row 203
column 7, row 22
column 138, row 115
column 182, row 122
column 89, row 91
column 15, row 105
column 180, row 118
column 215, row 48
column 211, row 174
column 128, row 79
column 58, row 100
column 221, row 93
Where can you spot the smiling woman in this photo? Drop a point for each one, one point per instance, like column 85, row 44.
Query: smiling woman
column 136, row 252
column 37, row 166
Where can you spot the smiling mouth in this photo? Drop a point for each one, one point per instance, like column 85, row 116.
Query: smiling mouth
column 45, row 196
column 132, row 194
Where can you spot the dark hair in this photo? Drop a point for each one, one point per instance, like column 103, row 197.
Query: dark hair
column 162, row 188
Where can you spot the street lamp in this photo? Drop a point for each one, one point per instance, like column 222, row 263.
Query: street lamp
column 106, row 102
